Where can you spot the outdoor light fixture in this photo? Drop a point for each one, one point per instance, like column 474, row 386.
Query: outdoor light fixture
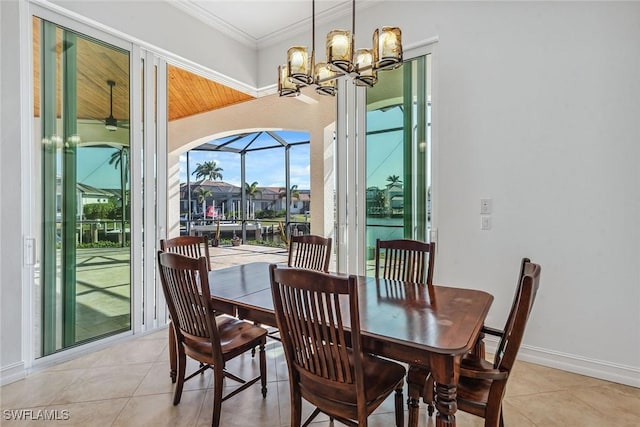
column 362, row 65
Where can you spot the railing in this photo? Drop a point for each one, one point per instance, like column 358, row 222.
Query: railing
column 93, row 231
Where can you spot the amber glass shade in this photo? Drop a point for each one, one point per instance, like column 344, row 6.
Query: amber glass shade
column 325, row 79
column 340, row 51
column 387, row 47
column 299, row 65
column 367, row 76
column 285, row 86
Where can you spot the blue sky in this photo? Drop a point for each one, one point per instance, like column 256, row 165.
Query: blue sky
column 93, row 167
column 267, row 167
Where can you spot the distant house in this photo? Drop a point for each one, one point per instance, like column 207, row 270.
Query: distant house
column 226, row 198
column 86, row 195
column 395, row 196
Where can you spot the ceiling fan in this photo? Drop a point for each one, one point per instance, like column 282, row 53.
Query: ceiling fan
column 111, row 123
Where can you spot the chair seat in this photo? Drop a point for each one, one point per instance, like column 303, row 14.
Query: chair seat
column 236, row 337
column 473, row 393
column 380, row 377
column 471, row 390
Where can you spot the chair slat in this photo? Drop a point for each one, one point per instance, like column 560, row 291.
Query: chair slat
column 405, row 260
column 310, row 252
column 190, row 246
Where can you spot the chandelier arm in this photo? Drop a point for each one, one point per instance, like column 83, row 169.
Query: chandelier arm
column 313, row 28
column 353, row 20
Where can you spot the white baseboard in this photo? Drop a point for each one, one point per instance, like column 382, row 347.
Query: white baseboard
column 12, row 373
column 608, row 371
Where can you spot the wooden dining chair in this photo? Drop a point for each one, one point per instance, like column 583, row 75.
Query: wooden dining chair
column 310, row 251
column 482, row 384
column 405, row 260
column 191, row 246
column 194, row 247
column 327, row 365
column 211, row 340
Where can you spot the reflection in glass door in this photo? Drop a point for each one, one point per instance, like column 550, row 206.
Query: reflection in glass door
column 398, row 146
column 81, row 115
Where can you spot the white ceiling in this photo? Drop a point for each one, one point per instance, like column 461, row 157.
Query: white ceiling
column 259, row 23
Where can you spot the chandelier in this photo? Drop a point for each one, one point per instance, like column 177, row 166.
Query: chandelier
column 361, row 65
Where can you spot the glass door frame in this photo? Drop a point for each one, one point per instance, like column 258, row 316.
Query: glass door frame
column 148, row 309
column 351, row 171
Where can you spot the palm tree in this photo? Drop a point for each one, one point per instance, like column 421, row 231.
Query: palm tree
column 202, row 194
column 295, row 194
column 251, row 190
column 120, row 159
column 393, row 180
column 208, row 170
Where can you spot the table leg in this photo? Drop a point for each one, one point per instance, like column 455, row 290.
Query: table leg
column 446, row 405
column 446, row 371
column 173, row 365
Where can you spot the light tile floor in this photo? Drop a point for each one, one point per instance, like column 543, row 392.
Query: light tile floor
column 127, row 384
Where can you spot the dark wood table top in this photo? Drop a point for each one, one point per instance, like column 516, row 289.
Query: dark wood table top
column 430, row 326
column 437, row 319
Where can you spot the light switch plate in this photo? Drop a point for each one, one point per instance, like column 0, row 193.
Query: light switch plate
column 486, row 206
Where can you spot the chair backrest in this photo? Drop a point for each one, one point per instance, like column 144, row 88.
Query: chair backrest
column 525, row 296
column 185, row 284
column 310, row 251
column 312, row 321
column 191, row 246
column 406, row 260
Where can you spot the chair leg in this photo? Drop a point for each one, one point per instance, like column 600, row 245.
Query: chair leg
column 296, row 408
column 172, row 352
column 413, row 405
column 182, row 362
column 399, row 407
column 218, row 377
column 263, row 369
column 428, row 394
column 493, row 416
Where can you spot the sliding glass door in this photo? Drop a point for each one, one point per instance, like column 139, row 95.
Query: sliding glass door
column 398, row 147
column 82, row 120
column 383, row 161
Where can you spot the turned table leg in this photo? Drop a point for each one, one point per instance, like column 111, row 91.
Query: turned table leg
column 446, row 372
column 446, row 405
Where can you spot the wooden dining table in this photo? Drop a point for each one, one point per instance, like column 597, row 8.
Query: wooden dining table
column 431, row 326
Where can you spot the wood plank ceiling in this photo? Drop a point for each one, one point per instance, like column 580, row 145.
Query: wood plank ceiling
column 188, row 93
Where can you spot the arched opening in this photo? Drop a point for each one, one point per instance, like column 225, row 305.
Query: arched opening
column 253, row 186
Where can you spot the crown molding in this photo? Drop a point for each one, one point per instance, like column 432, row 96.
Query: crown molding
column 213, row 21
column 327, row 16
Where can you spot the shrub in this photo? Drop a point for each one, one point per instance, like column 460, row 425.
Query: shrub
column 100, row 210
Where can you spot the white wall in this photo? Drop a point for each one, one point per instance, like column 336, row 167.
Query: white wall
column 11, row 356
column 537, row 107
